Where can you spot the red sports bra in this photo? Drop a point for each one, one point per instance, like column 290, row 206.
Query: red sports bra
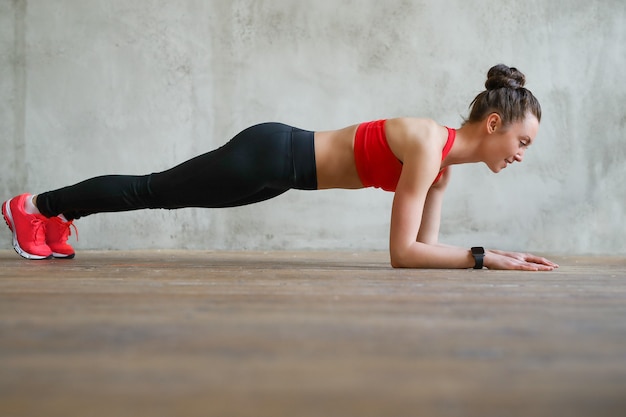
column 376, row 164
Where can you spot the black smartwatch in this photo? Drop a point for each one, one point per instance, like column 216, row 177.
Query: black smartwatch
column 479, row 254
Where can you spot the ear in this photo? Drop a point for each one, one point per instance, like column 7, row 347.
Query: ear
column 493, row 122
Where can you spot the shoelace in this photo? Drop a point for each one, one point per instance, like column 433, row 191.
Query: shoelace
column 70, row 224
column 39, row 231
column 66, row 228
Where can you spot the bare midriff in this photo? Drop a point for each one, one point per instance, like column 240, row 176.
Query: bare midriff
column 334, row 159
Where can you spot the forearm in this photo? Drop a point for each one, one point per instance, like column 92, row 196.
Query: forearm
column 422, row 255
column 431, row 217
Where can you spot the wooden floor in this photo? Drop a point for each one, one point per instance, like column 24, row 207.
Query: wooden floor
column 307, row 334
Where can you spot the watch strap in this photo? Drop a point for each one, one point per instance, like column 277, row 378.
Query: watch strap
column 478, row 252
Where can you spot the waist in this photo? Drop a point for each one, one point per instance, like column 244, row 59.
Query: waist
column 303, row 152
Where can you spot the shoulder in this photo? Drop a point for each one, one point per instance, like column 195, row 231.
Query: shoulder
column 414, row 125
column 418, row 145
column 407, row 134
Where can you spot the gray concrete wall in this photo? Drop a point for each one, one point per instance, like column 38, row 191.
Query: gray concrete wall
column 90, row 87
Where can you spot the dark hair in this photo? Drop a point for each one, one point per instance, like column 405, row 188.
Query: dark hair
column 505, row 94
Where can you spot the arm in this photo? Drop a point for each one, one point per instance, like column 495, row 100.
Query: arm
column 407, row 252
column 416, row 212
column 425, row 252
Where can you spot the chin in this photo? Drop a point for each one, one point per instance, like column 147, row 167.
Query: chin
column 494, row 169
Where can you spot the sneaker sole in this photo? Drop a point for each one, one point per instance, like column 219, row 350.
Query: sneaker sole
column 8, row 218
column 62, row 256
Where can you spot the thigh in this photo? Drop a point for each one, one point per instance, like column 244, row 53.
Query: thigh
column 254, row 197
column 253, row 166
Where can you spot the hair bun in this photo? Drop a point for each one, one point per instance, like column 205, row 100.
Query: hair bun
column 501, row 76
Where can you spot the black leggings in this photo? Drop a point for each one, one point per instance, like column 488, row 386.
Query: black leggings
column 259, row 163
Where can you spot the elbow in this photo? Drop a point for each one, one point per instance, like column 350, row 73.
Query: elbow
column 399, row 260
column 398, row 265
column 395, row 263
column 411, row 256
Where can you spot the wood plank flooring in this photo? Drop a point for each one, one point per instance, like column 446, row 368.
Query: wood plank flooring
column 180, row 333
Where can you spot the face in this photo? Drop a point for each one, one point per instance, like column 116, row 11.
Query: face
column 508, row 145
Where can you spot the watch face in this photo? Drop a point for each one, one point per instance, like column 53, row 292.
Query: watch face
column 478, row 251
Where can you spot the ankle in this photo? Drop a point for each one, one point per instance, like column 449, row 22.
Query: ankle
column 30, row 206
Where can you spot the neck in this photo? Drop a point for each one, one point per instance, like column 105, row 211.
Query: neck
column 466, row 148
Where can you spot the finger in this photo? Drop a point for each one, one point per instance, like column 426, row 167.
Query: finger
column 528, row 268
column 550, row 263
column 540, row 260
column 532, row 266
column 543, row 267
column 522, row 266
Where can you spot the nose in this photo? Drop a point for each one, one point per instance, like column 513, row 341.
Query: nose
column 519, row 156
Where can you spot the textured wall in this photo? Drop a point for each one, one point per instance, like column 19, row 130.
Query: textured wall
column 90, row 87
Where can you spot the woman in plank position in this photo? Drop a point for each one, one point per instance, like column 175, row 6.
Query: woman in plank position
column 408, row 156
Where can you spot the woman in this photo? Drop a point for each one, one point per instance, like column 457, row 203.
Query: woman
column 405, row 155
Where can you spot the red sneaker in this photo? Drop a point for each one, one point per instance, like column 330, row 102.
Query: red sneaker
column 57, row 232
column 29, row 230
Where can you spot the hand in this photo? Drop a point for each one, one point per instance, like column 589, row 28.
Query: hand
column 496, row 259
